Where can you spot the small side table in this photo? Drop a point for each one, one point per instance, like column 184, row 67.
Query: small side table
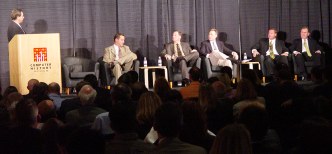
column 153, row 68
column 251, row 64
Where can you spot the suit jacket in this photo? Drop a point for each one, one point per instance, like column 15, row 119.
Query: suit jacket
column 169, row 48
column 13, row 29
column 297, row 45
column 174, row 145
column 109, row 55
column 206, row 48
column 263, row 45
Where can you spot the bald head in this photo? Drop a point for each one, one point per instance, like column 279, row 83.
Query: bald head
column 87, row 95
column 31, row 83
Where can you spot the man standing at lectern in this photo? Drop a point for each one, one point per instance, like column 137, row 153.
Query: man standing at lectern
column 15, row 25
column 119, row 56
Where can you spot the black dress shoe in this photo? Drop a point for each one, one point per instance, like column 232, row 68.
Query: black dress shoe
column 178, row 59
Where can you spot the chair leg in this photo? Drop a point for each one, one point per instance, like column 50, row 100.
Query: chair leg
column 67, row 90
column 295, row 77
column 263, row 79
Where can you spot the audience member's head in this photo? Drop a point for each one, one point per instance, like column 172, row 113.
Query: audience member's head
column 54, row 88
column 227, row 70
column 92, row 79
column 26, row 113
column 212, row 80
column 125, row 78
column 174, row 96
column 85, row 140
column 315, row 136
column 137, row 89
column 251, row 75
column 39, row 92
column 80, row 85
column 255, row 119
column 168, row 120
column 31, row 84
column 9, row 90
column 245, row 91
column 50, row 136
column 195, row 73
column 224, row 78
column 133, row 76
column 162, row 88
column 123, row 118
column 206, row 97
column 219, row 89
column 12, row 99
column 87, row 95
column 147, row 105
column 46, row 110
column 232, row 139
column 121, row 93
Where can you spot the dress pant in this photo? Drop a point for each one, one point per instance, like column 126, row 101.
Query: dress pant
column 124, row 64
column 300, row 59
column 188, row 60
column 270, row 63
column 218, row 59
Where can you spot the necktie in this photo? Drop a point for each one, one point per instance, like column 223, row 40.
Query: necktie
column 119, row 54
column 215, row 45
column 271, row 50
column 307, row 48
column 178, row 50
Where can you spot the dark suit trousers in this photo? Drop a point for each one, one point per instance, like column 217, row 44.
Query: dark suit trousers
column 301, row 59
column 190, row 60
column 270, row 63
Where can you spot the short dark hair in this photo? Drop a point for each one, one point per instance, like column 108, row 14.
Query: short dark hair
column 213, row 29
column 179, row 32
column 121, row 93
column 123, row 117
column 305, row 27
column 117, row 36
column 195, row 73
column 274, row 29
column 26, row 112
column 92, row 79
column 54, row 87
column 15, row 13
column 168, row 120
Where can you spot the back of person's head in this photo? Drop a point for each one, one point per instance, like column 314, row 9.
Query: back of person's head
column 227, row 70
column 8, row 90
column 206, row 97
column 137, row 89
column 211, row 80
column 121, row 93
column 92, row 79
column 39, row 92
column 195, row 73
column 317, row 74
column 54, row 88
column 147, row 106
column 12, row 99
column 85, row 140
column 133, row 76
column 46, row 110
column 255, row 119
column 251, row 75
column 315, row 136
column 26, row 113
column 80, row 85
column 32, row 83
column 219, row 89
column 123, row 118
column 125, row 78
column 194, row 121
column 87, row 95
column 161, row 87
column 174, row 96
column 50, row 135
column 232, row 139
column 245, row 90
column 224, row 78
column 168, row 120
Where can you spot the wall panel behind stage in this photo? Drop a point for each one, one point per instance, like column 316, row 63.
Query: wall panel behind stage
column 88, row 26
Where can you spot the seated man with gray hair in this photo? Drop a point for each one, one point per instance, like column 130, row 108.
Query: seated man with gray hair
column 86, row 114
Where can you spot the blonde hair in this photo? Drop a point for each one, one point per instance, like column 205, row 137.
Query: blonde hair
column 15, row 13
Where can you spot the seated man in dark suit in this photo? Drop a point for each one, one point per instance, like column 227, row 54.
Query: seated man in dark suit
column 181, row 54
column 274, row 51
column 216, row 50
column 15, row 25
column 305, row 49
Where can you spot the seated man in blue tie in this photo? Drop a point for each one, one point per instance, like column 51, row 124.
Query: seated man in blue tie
column 216, row 50
column 272, row 50
column 305, row 49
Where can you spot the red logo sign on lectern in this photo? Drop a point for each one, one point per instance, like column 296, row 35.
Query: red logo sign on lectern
column 39, row 54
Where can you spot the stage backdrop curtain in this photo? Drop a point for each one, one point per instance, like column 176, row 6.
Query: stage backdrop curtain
column 86, row 27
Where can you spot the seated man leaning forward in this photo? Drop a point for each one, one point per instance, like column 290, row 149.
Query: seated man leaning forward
column 216, row 50
column 119, row 56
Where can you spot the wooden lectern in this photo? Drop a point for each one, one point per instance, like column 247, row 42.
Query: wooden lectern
column 34, row 56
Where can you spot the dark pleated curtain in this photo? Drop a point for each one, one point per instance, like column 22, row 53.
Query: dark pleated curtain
column 86, row 27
